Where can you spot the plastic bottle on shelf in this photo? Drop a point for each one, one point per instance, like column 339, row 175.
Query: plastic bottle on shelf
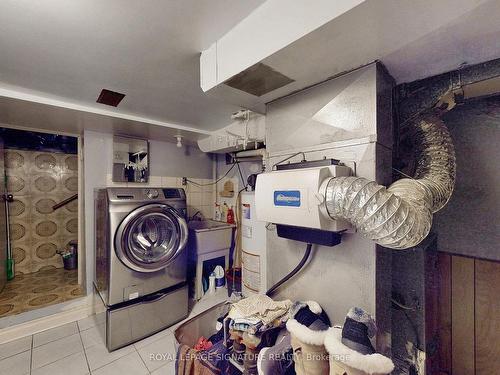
column 219, row 277
column 217, row 213
column 224, row 209
column 211, row 283
column 230, row 215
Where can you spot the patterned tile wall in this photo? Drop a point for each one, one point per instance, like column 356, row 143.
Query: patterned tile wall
column 199, row 198
column 38, row 180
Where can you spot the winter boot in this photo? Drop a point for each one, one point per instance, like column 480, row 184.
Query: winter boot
column 351, row 350
column 309, row 353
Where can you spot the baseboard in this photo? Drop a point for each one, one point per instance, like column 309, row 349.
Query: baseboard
column 76, row 312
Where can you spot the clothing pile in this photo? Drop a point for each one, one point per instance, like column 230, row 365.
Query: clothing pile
column 266, row 337
column 252, row 324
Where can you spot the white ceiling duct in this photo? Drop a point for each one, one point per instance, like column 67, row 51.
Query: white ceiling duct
column 283, row 47
column 246, row 132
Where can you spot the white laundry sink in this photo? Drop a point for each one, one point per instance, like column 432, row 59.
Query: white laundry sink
column 206, row 236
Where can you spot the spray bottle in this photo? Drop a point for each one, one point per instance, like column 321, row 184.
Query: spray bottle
column 230, row 215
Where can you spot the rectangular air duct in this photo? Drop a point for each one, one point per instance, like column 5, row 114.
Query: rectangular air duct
column 258, row 80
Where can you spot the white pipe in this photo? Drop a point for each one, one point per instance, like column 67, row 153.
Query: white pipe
column 245, row 154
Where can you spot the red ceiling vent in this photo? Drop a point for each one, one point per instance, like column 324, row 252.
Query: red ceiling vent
column 109, row 97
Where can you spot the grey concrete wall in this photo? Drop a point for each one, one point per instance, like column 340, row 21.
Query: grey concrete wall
column 335, row 119
column 470, row 223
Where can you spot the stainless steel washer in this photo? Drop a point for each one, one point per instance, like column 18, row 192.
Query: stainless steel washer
column 141, row 260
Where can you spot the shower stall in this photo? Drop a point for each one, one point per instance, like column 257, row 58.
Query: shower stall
column 38, row 220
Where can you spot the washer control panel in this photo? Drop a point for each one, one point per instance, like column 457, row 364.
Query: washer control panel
column 152, row 193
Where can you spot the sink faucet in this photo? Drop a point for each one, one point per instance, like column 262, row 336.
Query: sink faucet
column 197, row 216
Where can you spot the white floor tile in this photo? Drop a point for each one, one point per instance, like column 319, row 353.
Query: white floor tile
column 15, row 347
column 130, row 364
column 153, row 338
column 93, row 336
column 91, row 321
column 158, row 353
column 168, row 369
column 55, row 350
column 98, row 355
column 75, row 364
column 54, row 334
column 18, row 364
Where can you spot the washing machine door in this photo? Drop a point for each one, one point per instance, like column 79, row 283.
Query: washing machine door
column 151, row 237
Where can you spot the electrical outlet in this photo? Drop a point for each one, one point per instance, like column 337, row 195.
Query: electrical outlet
column 184, row 181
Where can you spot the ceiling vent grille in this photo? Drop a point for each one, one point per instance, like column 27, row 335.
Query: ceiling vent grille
column 258, row 80
column 109, row 97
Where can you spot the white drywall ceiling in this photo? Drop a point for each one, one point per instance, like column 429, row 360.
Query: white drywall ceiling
column 469, row 39
column 414, row 39
column 148, row 50
column 62, row 53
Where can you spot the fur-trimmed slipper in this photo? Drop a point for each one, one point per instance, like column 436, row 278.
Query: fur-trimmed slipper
column 306, row 334
column 369, row 363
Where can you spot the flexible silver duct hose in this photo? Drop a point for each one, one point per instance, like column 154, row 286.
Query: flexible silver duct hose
column 400, row 216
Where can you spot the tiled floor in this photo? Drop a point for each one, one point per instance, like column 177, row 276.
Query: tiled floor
column 78, row 349
column 39, row 289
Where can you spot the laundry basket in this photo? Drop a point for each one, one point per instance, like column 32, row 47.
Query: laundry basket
column 202, row 324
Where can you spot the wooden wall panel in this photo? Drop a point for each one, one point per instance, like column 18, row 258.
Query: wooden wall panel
column 444, row 311
column 462, row 312
column 487, row 306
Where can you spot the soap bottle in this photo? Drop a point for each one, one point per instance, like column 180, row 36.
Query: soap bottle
column 217, row 214
column 230, row 215
column 223, row 212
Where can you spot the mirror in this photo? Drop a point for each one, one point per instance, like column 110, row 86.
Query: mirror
column 130, row 159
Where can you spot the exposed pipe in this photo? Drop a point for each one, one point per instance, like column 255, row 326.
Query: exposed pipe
column 245, row 154
column 297, row 268
column 64, row 202
column 400, row 216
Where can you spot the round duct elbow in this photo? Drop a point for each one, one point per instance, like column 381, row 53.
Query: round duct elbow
column 400, row 216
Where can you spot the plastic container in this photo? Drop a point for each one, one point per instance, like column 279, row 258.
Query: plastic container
column 219, row 277
column 211, row 283
column 70, row 256
column 70, row 262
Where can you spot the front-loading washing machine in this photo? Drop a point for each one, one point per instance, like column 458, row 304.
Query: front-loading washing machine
column 140, row 260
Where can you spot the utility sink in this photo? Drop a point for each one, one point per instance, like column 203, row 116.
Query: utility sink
column 206, row 236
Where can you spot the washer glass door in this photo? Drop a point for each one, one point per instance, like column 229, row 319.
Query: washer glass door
column 151, row 237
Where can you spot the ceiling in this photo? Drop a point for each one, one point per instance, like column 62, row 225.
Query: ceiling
column 466, row 40
column 420, row 39
column 57, row 55
column 148, row 50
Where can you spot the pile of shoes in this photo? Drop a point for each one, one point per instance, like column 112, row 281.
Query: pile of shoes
column 266, row 337
column 309, row 346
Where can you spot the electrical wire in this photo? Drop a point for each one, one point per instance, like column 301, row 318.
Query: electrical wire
column 237, row 235
column 215, row 182
column 243, row 181
column 402, row 306
column 299, row 266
